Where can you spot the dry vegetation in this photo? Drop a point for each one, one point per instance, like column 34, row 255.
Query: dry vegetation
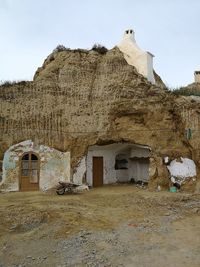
column 192, row 89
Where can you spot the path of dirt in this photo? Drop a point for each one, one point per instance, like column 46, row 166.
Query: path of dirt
column 110, row 226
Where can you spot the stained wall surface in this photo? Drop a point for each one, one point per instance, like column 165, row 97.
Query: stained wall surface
column 54, row 166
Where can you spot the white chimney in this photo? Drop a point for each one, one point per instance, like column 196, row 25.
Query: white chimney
column 129, row 34
column 135, row 56
column 197, row 76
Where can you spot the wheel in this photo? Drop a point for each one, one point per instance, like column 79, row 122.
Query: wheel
column 69, row 190
column 60, row 191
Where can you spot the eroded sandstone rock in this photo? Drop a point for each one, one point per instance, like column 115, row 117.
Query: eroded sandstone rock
column 79, row 98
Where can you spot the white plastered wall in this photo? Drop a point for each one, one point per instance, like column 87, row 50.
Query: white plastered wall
column 54, row 166
column 136, row 169
column 141, row 60
column 139, row 169
column 182, row 169
column 80, row 172
column 109, row 173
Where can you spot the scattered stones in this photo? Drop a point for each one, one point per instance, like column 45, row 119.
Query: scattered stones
column 29, row 257
column 125, row 240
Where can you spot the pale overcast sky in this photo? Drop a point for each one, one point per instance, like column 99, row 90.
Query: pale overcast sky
column 31, row 29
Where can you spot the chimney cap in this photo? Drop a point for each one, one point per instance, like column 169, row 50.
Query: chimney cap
column 150, row 54
column 129, row 31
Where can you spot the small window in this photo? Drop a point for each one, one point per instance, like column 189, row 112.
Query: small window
column 127, row 32
column 34, row 157
column 121, row 162
column 131, row 31
column 34, row 169
column 25, row 165
column 25, row 157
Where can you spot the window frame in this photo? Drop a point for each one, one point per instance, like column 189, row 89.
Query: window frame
column 30, row 169
column 118, row 162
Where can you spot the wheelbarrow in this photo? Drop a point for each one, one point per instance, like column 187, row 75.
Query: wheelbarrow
column 66, row 188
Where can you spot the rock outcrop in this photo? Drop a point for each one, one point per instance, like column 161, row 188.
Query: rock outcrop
column 189, row 90
column 80, row 98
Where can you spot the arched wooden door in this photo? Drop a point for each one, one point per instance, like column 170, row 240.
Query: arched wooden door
column 29, row 180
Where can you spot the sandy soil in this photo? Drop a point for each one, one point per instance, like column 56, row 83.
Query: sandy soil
column 110, row 226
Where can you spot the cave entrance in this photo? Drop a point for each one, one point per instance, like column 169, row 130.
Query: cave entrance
column 118, row 163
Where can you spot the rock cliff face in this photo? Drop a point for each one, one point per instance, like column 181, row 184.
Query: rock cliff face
column 79, row 98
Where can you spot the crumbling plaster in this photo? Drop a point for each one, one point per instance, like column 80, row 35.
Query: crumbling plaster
column 80, row 172
column 182, row 169
column 54, row 166
column 164, row 172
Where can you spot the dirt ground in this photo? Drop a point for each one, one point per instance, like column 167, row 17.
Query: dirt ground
column 119, row 225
